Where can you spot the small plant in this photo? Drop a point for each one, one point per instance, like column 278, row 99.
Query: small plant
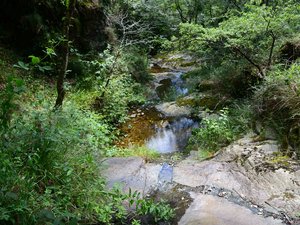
column 156, row 212
column 213, row 134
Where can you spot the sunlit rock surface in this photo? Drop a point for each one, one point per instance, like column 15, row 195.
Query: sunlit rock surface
column 249, row 170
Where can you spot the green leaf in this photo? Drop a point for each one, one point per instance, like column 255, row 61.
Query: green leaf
column 34, row 59
column 22, row 65
column 50, row 52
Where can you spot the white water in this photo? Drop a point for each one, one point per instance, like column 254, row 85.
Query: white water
column 173, row 137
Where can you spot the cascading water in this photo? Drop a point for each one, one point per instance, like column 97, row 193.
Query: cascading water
column 165, row 132
column 178, row 83
column 172, row 137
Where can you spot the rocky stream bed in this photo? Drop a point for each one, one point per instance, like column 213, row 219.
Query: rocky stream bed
column 245, row 183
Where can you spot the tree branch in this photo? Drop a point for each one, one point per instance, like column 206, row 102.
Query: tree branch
column 262, row 74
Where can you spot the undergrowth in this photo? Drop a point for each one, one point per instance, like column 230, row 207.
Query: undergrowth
column 219, row 130
column 49, row 167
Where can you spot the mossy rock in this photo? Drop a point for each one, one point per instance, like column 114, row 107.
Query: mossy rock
column 187, row 101
column 278, row 160
column 205, row 100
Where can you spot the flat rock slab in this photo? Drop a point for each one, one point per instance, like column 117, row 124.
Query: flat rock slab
column 242, row 167
column 211, row 210
column 131, row 172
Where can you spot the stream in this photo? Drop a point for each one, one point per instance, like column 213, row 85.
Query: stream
column 153, row 127
column 243, row 184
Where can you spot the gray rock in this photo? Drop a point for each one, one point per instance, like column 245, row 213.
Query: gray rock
column 171, row 109
column 131, row 172
column 243, row 167
column 211, row 210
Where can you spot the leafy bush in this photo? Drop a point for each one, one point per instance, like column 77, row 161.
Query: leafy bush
column 49, row 165
column 48, row 171
column 109, row 83
column 220, row 130
column 138, row 65
column 215, row 132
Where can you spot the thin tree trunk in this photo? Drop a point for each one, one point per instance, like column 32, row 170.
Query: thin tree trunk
column 179, row 10
column 271, row 50
column 65, row 55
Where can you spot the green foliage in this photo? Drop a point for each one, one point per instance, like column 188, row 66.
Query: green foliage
column 141, row 151
column 214, row 133
column 219, row 130
column 8, row 100
column 118, row 96
column 154, row 211
column 245, row 39
column 276, row 103
column 22, row 65
column 49, row 172
column 49, row 157
column 138, row 66
column 111, row 75
column 37, row 63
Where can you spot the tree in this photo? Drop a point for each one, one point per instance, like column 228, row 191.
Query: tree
column 70, row 8
column 252, row 38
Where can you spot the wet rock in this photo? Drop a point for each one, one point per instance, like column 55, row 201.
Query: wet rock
column 211, row 101
column 211, row 210
column 189, row 100
column 164, row 87
column 177, row 61
column 171, row 109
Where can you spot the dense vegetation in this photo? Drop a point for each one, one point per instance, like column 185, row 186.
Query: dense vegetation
column 77, row 66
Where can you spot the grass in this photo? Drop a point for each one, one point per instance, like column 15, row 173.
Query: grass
column 141, row 151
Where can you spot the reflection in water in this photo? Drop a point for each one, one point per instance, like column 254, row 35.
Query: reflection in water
column 172, row 137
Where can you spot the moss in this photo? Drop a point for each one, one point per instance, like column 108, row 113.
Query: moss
column 205, row 154
column 279, row 160
column 207, row 85
column 187, row 101
column 188, row 64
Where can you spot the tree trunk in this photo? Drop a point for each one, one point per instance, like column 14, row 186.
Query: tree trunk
column 65, row 55
column 271, row 50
